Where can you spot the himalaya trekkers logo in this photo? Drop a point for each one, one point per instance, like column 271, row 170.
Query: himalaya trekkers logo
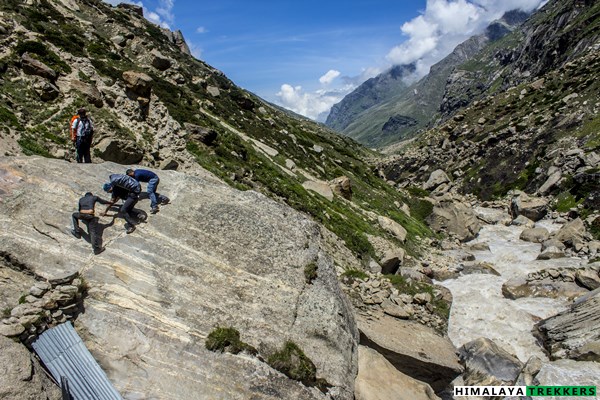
column 471, row 391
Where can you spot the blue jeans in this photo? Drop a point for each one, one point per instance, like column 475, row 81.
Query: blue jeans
column 151, row 189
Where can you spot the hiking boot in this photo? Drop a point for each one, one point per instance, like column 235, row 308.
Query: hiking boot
column 154, row 210
column 76, row 233
column 165, row 200
column 130, row 229
column 100, row 250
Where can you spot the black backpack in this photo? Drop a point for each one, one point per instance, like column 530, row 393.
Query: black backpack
column 87, row 130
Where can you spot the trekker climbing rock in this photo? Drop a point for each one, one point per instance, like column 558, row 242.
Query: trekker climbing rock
column 143, row 175
column 127, row 189
column 86, row 214
column 82, row 132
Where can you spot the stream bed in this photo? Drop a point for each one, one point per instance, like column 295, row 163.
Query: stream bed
column 480, row 310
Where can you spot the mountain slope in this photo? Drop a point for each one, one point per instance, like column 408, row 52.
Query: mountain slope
column 542, row 134
column 155, row 105
column 401, row 110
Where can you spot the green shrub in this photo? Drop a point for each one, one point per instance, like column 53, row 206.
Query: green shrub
column 564, row 202
column 9, row 117
column 227, row 339
column 310, row 272
column 31, row 147
column 292, row 362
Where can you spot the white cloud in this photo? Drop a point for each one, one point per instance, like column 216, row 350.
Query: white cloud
column 329, row 77
column 446, row 23
column 165, row 10
column 317, row 104
column 201, row 29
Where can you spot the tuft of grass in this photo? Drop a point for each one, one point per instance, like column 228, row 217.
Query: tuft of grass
column 310, row 272
column 227, row 339
column 351, row 275
column 564, row 202
column 292, row 362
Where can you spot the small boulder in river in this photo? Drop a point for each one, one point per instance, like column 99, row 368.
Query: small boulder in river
column 535, row 235
column 486, row 364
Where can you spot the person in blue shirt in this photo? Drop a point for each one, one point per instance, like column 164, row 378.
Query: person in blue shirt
column 144, row 175
column 123, row 187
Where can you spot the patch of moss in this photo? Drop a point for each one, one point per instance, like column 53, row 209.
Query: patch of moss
column 310, row 272
column 227, row 339
column 292, row 362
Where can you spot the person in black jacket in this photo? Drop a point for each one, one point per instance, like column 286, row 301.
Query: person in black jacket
column 127, row 189
column 86, row 214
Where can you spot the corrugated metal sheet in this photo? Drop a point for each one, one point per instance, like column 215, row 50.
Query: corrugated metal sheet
column 62, row 351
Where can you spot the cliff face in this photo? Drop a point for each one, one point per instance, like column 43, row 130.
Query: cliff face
column 215, row 257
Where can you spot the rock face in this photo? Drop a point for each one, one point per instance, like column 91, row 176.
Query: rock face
column 138, row 83
column 413, row 349
column 214, row 257
column 455, row 218
column 92, row 93
column 574, row 333
column 378, row 380
column 22, row 377
column 486, row 364
column 32, row 66
column 119, row 151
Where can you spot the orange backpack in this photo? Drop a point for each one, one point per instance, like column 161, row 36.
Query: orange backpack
column 71, row 130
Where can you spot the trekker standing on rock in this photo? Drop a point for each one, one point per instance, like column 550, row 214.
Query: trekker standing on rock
column 82, row 132
column 127, row 189
column 143, row 175
column 515, row 205
column 86, row 214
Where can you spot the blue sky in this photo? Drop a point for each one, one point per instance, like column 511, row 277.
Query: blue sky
column 306, row 55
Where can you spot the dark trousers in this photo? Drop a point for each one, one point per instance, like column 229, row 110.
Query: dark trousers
column 92, row 225
column 127, row 208
column 83, row 146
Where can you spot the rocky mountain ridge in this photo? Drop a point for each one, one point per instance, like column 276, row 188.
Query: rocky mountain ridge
column 155, row 105
column 229, row 254
column 377, row 116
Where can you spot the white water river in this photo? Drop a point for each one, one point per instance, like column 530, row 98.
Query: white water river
column 480, row 310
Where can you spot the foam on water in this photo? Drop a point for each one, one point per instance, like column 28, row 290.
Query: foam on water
column 480, row 310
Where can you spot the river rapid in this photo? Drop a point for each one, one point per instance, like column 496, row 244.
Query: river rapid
column 480, row 310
